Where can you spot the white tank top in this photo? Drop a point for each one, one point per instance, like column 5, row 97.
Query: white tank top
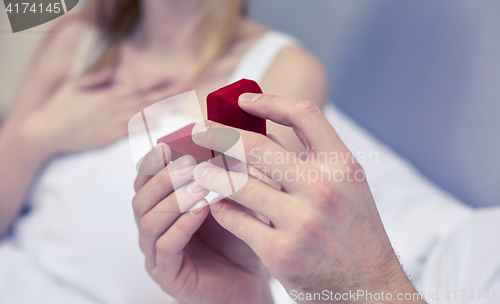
column 79, row 242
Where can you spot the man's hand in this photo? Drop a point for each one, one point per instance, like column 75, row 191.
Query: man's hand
column 322, row 230
column 189, row 254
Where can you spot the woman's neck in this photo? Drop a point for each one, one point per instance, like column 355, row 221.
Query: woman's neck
column 167, row 24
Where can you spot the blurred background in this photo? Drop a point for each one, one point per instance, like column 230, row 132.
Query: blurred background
column 422, row 76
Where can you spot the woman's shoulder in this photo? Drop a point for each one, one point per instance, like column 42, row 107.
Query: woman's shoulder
column 297, row 73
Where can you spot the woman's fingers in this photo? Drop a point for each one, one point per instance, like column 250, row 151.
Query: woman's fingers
column 151, row 164
column 159, row 219
column 244, row 189
column 170, row 245
column 156, row 206
column 160, row 186
column 307, row 120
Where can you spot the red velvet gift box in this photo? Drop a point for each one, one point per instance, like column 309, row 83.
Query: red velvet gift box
column 181, row 143
column 222, row 107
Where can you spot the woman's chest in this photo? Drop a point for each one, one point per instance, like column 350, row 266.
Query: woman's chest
column 170, row 76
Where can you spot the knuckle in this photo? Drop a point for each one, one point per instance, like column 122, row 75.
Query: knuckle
column 256, row 142
column 351, row 169
column 305, row 107
column 162, row 181
column 323, row 191
column 183, row 226
column 162, row 248
column 308, row 222
column 136, row 205
column 146, row 227
column 265, row 106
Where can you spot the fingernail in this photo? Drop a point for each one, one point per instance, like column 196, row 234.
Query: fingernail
column 197, row 207
column 157, row 153
column 183, row 166
column 249, row 97
column 194, row 188
column 199, row 130
column 215, row 206
column 201, row 170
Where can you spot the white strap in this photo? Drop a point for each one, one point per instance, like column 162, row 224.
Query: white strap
column 261, row 55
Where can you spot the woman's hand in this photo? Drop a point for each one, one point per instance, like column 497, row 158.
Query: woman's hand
column 188, row 254
column 325, row 232
column 87, row 114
